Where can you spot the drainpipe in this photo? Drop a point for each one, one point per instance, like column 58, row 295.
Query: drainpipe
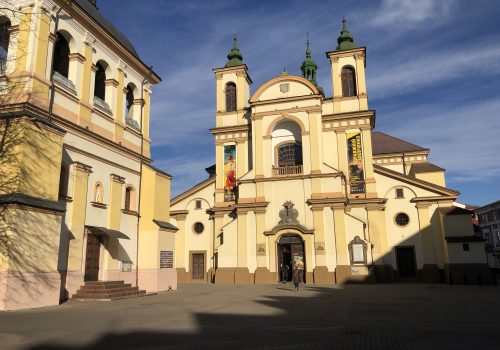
column 52, row 86
column 144, row 81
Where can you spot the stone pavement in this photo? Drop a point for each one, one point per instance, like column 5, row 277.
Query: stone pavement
column 390, row 316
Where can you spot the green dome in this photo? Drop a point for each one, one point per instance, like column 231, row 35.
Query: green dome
column 345, row 40
column 234, row 56
column 309, row 66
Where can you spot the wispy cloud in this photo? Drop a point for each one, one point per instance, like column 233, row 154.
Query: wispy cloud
column 430, row 67
column 463, row 139
column 398, row 14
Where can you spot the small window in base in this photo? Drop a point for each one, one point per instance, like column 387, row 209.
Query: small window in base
column 198, row 227
column 466, row 247
column 126, row 266
column 399, row 193
column 197, row 204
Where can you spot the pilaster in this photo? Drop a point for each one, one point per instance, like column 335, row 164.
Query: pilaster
column 76, row 214
column 114, row 216
column 430, row 272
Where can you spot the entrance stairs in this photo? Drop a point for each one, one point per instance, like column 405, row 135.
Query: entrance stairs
column 107, row 290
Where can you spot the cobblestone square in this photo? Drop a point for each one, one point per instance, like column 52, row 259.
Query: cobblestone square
column 402, row 316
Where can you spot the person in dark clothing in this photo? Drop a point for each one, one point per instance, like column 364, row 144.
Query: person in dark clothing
column 298, row 273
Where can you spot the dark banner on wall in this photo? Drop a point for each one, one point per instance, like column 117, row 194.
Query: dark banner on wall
column 355, row 161
column 229, row 173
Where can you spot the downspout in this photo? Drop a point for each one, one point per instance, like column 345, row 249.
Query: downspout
column 52, row 86
column 144, row 81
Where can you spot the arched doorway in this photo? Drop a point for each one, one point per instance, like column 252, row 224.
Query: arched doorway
column 290, row 249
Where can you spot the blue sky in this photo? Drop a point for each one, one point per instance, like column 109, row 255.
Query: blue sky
column 433, row 72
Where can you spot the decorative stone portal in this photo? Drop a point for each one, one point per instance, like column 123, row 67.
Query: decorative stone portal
column 291, row 253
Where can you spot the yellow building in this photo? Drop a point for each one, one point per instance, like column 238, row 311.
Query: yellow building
column 79, row 198
column 302, row 179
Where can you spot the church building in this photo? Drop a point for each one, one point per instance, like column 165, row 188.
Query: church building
column 301, row 177
column 83, row 212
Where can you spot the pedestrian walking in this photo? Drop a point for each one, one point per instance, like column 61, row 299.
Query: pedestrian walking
column 298, row 273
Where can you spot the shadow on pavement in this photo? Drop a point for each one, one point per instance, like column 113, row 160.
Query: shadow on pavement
column 318, row 317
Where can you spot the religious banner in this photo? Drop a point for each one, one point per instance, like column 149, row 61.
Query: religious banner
column 355, row 161
column 229, row 173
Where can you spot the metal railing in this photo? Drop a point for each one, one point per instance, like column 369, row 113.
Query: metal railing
column 287, row 170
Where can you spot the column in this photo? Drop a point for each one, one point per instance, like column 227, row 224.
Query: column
column 120, row 98
column 320, row 272
column 336, row 84
column 259, row 149
column 342, row 152
column 114, row 218
column 219, row 170
column 378, row 236
column 41, row 84
column 361, row 82
column 242, row 274
column 371, row 187
column 76, row 214
column 180, row 248
column 262, row 274
column 343, row 270
column 430, row 271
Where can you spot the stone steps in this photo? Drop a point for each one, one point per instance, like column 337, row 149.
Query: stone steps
column 107, row 290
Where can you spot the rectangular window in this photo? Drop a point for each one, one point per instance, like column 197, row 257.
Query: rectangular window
column 491, row 217
column 198, row 204
column 466, row 247
column 166, row 259
column 399, row 193
column 126, row 266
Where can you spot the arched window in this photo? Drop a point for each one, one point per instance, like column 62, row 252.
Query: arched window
column 289, row 154
column 61, row 56
column 348, row 82
column 129, row 97
column 4, row 42
column 230, row 97
column 100, row 79
column 129, row 198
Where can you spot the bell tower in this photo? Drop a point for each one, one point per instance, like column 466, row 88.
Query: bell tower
column 348, row 64
column 350, row 102
column 232, row 125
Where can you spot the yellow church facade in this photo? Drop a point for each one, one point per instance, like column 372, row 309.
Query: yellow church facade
column 80, row 200
column 300, row 177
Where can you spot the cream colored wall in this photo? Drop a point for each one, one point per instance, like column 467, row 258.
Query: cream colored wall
column 295, row 89
column 409, row 235
column 435, row 178
column 458, row 225
column 476, row 254
column 187, row 240
column 27, row 229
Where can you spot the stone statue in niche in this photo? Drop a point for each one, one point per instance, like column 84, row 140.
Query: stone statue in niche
column 288, row 214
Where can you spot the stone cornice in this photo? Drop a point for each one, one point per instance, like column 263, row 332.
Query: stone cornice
column 311, row 109
column 230, row 129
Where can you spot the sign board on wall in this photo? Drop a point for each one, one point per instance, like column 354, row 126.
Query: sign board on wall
column 229, row 173
column 166, row 259
column 355, row 162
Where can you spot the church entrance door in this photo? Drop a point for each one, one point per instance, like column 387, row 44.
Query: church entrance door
column 405, row 257
column 92, row 258
column 290, row 249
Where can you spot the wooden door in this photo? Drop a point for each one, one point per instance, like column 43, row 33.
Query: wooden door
column 92, row 258
column 406, row 262
column 198, row 272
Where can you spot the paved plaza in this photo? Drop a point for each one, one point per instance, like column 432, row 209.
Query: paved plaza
column 391, row 316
